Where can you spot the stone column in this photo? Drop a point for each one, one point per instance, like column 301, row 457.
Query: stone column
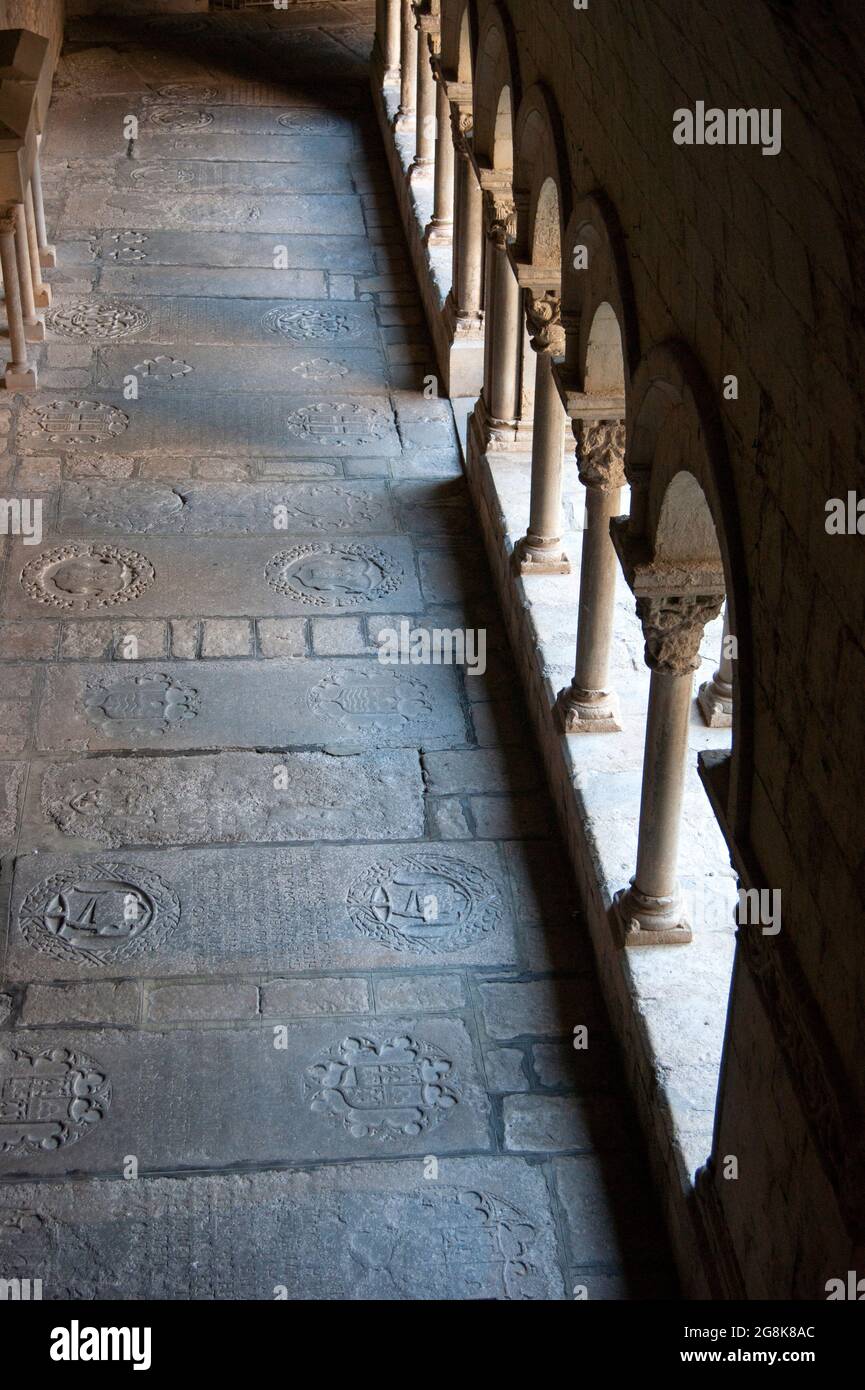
column 41, row 292
column 650, row 911
column 467, row 289
column 47, row 254
column 540, row 550
column 715, row 697
column 440, row 226
column 34, row 328
column 500, row 399
column 19, row 375
column 587, row 705
column 405, row 116
column 425, row 136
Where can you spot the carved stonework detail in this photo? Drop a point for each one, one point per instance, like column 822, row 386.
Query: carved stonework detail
column 461, row 128
column 98, row 914
column 335, row 575
column 601, row 453
column 673, row 629
column 390, row 1090
column 501, row 219
column 48, row 1099
column 543, row 315
column 82, row 577
column 426, row 902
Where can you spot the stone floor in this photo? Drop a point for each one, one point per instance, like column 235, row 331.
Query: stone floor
column 293, row 966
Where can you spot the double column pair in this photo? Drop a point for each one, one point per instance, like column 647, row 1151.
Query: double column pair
column 24, row 251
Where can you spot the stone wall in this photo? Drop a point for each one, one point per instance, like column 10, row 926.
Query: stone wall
column 749, row 260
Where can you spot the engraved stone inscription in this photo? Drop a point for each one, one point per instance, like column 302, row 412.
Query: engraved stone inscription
column 307, row 323
column 162, row 369
column 86, row 320
column 104, row 914
column 179, row 118
column 388, row 1090
column 424, row 902
column 84, row 577
column 139, row 705
column 360, row 699
column 48, row 1099
column 338, row 426
column 72, row 424
column 334, row 576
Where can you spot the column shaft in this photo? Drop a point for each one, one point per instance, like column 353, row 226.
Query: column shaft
column 663, row 784
column 47, row 254
column 41, row 292
column 425, row 138
column 391, row 43
column 405, row 116
column 34, row 328
column 504, row 343
column 12, row 295
column 440, row 227
column 598, row 568
column 540, row 550
column 468, row 240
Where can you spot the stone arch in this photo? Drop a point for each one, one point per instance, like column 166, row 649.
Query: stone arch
column 459, row 31
column 685, row 515
column 605, row 281
column 497, row 91
column 542, row 179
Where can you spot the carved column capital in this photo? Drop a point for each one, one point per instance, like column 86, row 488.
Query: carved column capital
column 543, row 316
column 673, row 629
column 461, row 129
column 601, row 453
column 501, row 219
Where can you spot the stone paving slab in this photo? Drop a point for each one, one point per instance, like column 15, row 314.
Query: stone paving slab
column 74, row 132
column 228, row 798
column 250, row 577
column 290, row 212
column 281, row 368
column 348, row 255
column 273, row 323
column 253, row 424
column 327, row 1088
column 203, row 912
column 483, row 1230
column 224, row 281
column 175, row 134
column 211, row 508
column 207, row 177
column 248, row 704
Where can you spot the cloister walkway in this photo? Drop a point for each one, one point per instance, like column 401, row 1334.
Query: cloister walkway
column 297, row 1000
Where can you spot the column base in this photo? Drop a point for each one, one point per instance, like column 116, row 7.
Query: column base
column 644, row 921
column 529, row 558
column 420, row 171
column 403, row 122
column 34, row 332
column 48, row 257
column 490, row 434
column 716, row 705
column 587, row 711
column 42, row 297
column 20, row 378
column 438, row 233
